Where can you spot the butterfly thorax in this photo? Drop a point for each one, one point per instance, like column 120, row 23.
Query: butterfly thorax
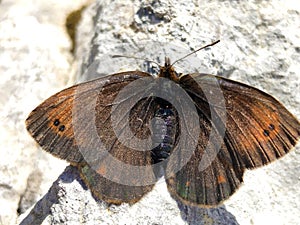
column 168, row 71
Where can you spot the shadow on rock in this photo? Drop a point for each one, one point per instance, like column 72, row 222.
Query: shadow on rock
column 201, row 216
column 43, row 207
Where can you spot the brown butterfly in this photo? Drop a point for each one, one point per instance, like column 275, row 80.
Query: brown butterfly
column 126, row 130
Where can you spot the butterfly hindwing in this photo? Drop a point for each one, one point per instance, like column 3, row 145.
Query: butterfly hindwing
column 110, row 191
column 125, row 174
column 208, row 185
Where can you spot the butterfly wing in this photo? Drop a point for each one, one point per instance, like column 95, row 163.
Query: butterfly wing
column 110, row 191
column 208, row 185
column 76, row 125
column 258, row 130
column 51, row 124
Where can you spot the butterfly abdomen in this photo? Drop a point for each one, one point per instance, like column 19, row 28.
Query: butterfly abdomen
column 164, row 130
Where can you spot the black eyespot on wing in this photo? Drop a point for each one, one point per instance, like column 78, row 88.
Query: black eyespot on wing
column 56, row 122
column 62, row 128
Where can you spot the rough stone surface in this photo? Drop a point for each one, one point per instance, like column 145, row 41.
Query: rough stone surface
column 259, row 46
column 35, row 62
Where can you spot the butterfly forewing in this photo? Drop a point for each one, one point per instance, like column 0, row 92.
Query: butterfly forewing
column 259, row 129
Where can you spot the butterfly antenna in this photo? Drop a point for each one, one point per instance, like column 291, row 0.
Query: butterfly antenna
column 206, row 46
column 133, row 57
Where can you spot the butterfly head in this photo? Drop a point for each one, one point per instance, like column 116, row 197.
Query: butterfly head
column 168, row 71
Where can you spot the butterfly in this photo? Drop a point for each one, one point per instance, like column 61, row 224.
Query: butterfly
column 201, row 132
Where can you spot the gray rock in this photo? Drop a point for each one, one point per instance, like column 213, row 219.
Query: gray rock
column 259, row 46
column 35, row 62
